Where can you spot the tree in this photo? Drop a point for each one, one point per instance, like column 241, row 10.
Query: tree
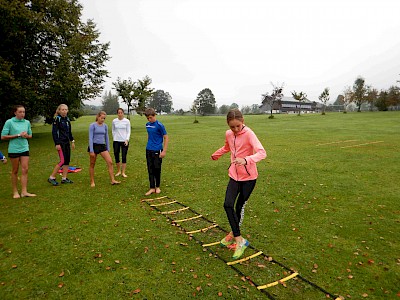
column 233, row 106
column 48, row 56
column 372, row 98
column 301, row 97
column 223, row 109
column 245, row 109
column 324, row 98
column 275, row 96
column 161, row 101
column 110, row 103
column 205, row 102
column 359, row 92
column 255, row 109
column 134, row 94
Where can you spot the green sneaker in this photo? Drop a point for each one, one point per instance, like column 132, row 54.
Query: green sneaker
column 66, row 180
column 240, row 249
column 226, row 241
column 52, row 181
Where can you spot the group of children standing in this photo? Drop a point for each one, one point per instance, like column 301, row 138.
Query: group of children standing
column 245, row 148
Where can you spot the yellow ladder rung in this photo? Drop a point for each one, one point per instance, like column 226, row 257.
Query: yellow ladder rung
column 165, row 203
column 211, row 244
column 153, row 199
column 202, row 230
column 188, row 219
column 243, row 259
column 261, row 287
column 174, row 211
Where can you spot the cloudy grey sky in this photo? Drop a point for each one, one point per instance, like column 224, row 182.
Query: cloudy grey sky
column 237, row 48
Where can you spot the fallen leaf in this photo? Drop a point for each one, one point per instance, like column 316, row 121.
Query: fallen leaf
column 146, row 249
column 60, row 285
column 61, row 274
column 219, row 294
column 350, row 277
column 198, row 288
column 14, row 266
column 365, row 295
column 117, row 261
column 137, row 291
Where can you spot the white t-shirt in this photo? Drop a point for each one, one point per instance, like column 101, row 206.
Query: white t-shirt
column 121, row 130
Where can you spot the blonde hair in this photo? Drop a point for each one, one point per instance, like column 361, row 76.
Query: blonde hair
column 234, row 114
column 100, row 113
column 59, row 108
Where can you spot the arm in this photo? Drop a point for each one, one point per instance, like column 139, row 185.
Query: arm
column 221, row 151
column 128, row 131
column 165, row 146
column 259, row 151
column 91, row 133
column 70, row 137
column 5, row 133
column 55, row 130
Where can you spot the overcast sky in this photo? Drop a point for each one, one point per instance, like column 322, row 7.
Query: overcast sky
column 237, row 48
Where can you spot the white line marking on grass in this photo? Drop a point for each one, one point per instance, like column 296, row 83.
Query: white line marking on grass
column 338, row 142
column 359, row 145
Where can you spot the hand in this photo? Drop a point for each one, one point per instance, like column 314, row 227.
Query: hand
column 126, row 143
column 239, row 161
column 162, row 154
column 73, row 146
column 24, row 134
column 58, row 147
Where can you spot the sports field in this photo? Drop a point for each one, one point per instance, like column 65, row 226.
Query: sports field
column 326, row 205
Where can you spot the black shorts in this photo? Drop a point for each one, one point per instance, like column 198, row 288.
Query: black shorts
column 16, row 155
column 98, row 148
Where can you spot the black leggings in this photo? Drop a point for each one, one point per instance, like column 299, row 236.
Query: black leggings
column 154, row 167
column 117, row 147
column 235, row 213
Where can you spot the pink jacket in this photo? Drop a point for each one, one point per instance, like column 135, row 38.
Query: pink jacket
column 243, row 145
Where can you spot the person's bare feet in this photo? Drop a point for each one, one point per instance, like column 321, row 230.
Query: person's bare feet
column 124, row 175
column 158, row 190
column 119, row 173
column 28, row 195
column 92, row 184
column 16, row 196
column 115, row 182
column 151, row 191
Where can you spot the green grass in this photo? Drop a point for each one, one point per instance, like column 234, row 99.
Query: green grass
column 329, row 211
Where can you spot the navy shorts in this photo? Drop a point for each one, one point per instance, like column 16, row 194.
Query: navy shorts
column 98, row 148
column 16, row 155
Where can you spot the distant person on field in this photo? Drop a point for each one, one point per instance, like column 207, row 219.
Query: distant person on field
column 63, row 139
column 156, row 150
column 3, row 158
column 121, row 131
column 17, row 131
column 246, row 150
column 99, row 144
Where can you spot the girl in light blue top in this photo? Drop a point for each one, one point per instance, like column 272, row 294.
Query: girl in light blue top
column 99, row 144
column 17, row 131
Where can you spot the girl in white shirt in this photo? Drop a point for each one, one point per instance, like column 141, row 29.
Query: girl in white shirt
column 121, row 131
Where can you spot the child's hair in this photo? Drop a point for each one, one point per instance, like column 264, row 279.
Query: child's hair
column 149, row 112
column 59, row 108
column 234, row 114
column 120, row 109
column 99, row 114
column 15, row 108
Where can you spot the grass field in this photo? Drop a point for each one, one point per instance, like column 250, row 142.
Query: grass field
column 326, row 204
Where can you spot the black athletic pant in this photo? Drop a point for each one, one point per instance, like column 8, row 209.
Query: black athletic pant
column 117, row 147
column 240, row 192
column 154, row 167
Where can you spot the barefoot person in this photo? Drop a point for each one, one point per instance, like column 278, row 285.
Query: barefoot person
column 17, row 131
column 121, row 131
column 63, row 139
column 99, row 144
column 246, row 150
column 156, row 150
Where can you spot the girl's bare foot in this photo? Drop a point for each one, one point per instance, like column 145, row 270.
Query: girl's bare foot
column 119, row 173
column 151, row 191
column 158, row 190
column 28, row 195
column 124, row 175
column 92, row 184
column 115, row 182
column 16, row 196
